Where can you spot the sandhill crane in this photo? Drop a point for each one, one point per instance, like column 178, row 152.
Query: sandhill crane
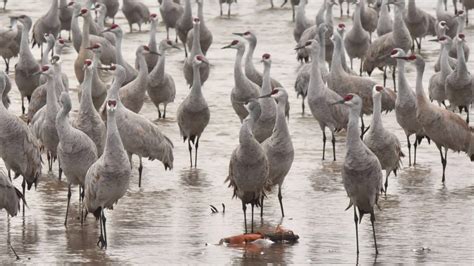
column 248, row 167
column 229, row 4
column 10, row 39
column 357, row 40
column 10, row 196
column 405, row 107
column 451, row 20
column 361, row 172
column 459, row 83
column 448, row 44
column 417, row 22
column 244, row 89
column 48, row 23
column 130, row 72
column 193, row 113
column 446, row 129
column 320, row 99
column 302, row 79
column 65, row 16
column 369, row 17
column 437, row 85
column 88, row 119
column 195, row 51
column 301, row 22
column 150, row 58
column 253, row 74
column 263, row 127
column 107, row 180
column 205, row 36
column 385, row 21
column 378, row 54
column 26, row 65
column 76, row 151
column 278, row 147
column 135, row 12
column 133, row 94
column 160, row 86
column 139, row 135
column 185, row 24
column 383, row 143
column 20, row 149
column 170, row 13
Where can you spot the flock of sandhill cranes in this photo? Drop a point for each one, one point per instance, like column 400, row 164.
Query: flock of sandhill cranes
column 94, row 151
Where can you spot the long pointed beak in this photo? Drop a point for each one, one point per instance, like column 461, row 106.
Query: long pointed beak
column 265, row 96
column 90, row 48
column 238, row 34
column 299, row 47
column 37, row 73
column 338, row 102
column 433, row 40
column 176, row 47
column 226, row 47
column 106, row 30
column 155, row 53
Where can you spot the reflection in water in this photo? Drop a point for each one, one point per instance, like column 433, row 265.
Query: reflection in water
column 168, row 219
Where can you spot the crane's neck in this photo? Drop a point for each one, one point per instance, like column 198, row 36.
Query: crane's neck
column 118, row 49
column 196, row 49
column 444, row 61
column 152, row 42
column 188, row 12
column 322, row 45
column 113, row 149
column 45, row 58
column 316, row 83
column 158, row 71
column 353, row 141
column 377, row 112
column 239, row 75
column 343, row 54
column 143, row 71
column 439, row 7
column 336, row 64
column 200, row 12
column 357, row 22
column 399, row 28
column 301, row 14
column 24, row 44
column 53, row 10
column 101, row 19
column 329, row 17
column 266, row 82
column 51, row 98
column 86, row 97
column 75, row 30
column 85, row 31
column 280, row 131
column 115, row 87
column 62, row 120
column 403, row 86
column 320, row 15
column 412, row 8
column 461, row 67
column 249, row 57
column 420, row 93
column 461, row 24
column 246, row 138
column 196, row 88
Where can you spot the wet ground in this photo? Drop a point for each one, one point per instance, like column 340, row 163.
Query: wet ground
column 169, row 220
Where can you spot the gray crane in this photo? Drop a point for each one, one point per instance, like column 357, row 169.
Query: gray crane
column 437, row 85
column 76, row 151
column 405, row 107
column 160, row 86
column 10, row 196
column 130, row 72
column 48, row 23
column 112, row 8
column 248, row 167
column 20, row 149
column 244, row 89
column 171, row 12
column 108, row 50
column 301, row 22
column 369, row 17
column 361, row 172
column 107, row 180
column 303, row 76
column 452, row 22
column 385, row 21
column 461, row 17
column 135, row 12
column 88, row 119
column 278, row 148
column 418, row 23
column 446, row 129
column 320, row 99
column 357, row 40
column 10, row 39
column 185, row 24
column 378, row 54
column 139, row 135
column 151, row 59
column 26, row 65
column 442, row 26
column 193, row 113
column 65, row 16
column 133, row 94
column 459, row 83
column 383, row 143
column 205, row 36
column 263, row 127
column 195, row 51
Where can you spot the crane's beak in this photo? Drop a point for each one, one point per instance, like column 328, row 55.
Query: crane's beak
column 227, row 46
column 338, row 102
column 37, row 73
column 265, row 96
column 106, row 30
column 238, row 34
column 433, row 40
column 155, row 53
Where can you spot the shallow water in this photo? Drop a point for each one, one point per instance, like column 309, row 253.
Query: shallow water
column 169, row 219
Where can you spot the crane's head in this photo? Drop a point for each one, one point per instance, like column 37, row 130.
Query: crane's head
column 46, row 70
column 167, row 44
column 153, row 17
column 397, row 53
column 70, row 4
column 248, row 35
column 196, row 21
column 253, row 107
column 443, row 25
column 351, row 100
column 312, row 44
column 23, row 19
column 266, row 58
column 95, row 48
column 377, row 90
column 461, row 37
column 200, row 59
column 55, row 60
column 114, row 28
column 146, row 50
column 87, row 64
column 341, row 28
column 111, row 105
column 83, row 13
column 235, row 44
column 279, row 94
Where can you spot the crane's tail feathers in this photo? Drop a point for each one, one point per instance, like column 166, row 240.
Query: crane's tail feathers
column 350, row 205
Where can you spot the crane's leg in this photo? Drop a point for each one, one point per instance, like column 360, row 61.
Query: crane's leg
column 443, row 160
column 467, row 111
column 372, row 220
column 140, row 169
column 293, row 11
column 68, row 201
column 324, row 143
column 418, row 42
column 228, row 10
column 271, row 3
column 167, row 33
column 284, row 3
column 302, row 104
column 347, row 8
column 341, row 10
column 409, row 150
column 105, row 231
column 244, row 208
column 280, row 197
column 261, row 208
column 159, row 111
column 81, row 202
column 356, row 219
column 333, row 140
column 130, row 26
column 394, row 72
column 384, row 76
column 164, row 110
column 251, row 230
column 351, row 63
column 23, row 186
column 101, row 242
column 49, row 161
column 220, row 5
column 196, row 151
column 387, row 173
column 7, row 64
column 185, row 50
column 417, row 140
column 60, row 169
column 360, row 69
column 190, row 152
column 22, row 105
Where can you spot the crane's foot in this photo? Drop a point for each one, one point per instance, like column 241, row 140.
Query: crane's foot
column 102, row 243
